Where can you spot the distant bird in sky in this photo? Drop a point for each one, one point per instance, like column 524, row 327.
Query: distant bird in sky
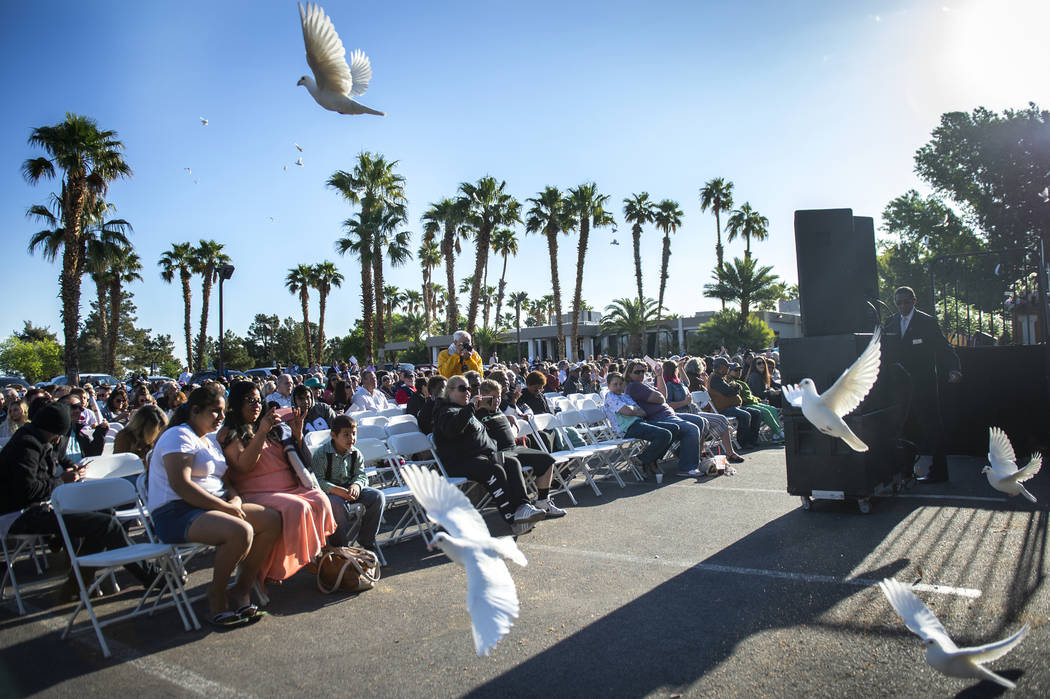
column 299, row 162
column 204, row 122
column 1002, row 471
column 196, row 180
column 284, row 167
column 825, row 411
column 1045, row 195
column 941, row 652
column 298, row 147
column 614, row 242
column 189, row 170
column 272, row 219
column 334, row 82
column 492, row 599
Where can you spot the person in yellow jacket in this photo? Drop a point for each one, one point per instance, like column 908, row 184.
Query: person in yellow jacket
column 460, row 357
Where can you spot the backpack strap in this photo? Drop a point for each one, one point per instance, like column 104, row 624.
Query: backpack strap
column 328, row 470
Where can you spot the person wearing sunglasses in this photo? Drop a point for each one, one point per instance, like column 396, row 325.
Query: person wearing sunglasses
column 74, row 445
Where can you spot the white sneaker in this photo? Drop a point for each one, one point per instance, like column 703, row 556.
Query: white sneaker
column 527, row 513
column 552, row 510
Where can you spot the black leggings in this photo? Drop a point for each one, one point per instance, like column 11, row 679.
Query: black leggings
column 539, row 461
column 504, row 483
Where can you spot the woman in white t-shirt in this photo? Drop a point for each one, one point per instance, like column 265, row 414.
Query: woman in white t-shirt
column 191, row 500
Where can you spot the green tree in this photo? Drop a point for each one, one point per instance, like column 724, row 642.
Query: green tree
column 125, row 268
column 86, row 159
column 298, row 281
column 518, row 300
column 626, row 316
column 207, row 257
column 745, row 283
column 447, row 216
column 260, row 339
column 325, row 276
column 724, row 330
column 638, row 211
column 747, row 223
column 549, row 216
column 33, row 360
column 587, row 206
column 396, row 248
column 717, row 195
column 179, row 260
column 35, row 333
column 488, row 207
column 413, row 302
column 358, row 240
column 668, row 217
column 429, row 256
column 504, row 244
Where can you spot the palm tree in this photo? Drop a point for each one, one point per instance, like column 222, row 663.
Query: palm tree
column 638, row 211
column 358, row 240
column 587, row 206
column 488, row 206
column 717, row 195
column 207, row 258
column 429, row 256
column 747, row 223
column 439, row 299
column 448, row 216
column 549, row 216
column 626, row 316
column 125, row 269
column 299, row 281
column 412, row 300
column 325, row 276
column 394, row 298
column 504, row 243
column 518, row 299
column 180, row 260
column 668, row 217
column 395, row 246
column 88, row 159
column 746, row 283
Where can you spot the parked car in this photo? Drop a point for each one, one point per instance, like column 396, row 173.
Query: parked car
column 262, row 372
column 202, row 376
column 155, row 382
column 6, row 381
column 96, row 379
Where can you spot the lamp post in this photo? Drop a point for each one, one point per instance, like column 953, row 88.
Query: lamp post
column 225, row 272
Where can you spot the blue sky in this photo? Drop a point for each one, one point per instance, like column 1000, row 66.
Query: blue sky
column 800, row 104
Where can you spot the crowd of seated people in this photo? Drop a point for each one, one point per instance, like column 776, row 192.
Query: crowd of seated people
column 218, row 456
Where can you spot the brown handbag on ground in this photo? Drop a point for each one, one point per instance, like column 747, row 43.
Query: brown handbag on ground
column 346, row 568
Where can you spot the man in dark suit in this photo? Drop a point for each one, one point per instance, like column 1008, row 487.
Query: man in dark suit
column 914, row 339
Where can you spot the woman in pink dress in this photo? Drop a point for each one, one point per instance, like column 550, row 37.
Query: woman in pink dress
column 260, row 471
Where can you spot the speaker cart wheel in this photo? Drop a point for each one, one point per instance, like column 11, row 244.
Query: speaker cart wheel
column 807, row 502
column 865, row 506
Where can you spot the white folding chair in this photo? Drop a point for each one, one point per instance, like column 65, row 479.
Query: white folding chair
column 607, row 453
column 93, row 496
column 372, row 420
column 380, row 468
column 596, row 424
column 574, row 458
column 403, row 427
column 418, row 449
column 114, row 428
column 33, row 544
column 398, row 419
column 525, row 429
column 313, row 440
column 394, row 411
column 371, row 432
column 112, row 466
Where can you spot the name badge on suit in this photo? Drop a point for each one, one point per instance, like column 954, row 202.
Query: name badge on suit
column 917, row 341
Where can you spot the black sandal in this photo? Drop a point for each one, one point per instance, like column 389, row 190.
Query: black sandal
column 227, row 620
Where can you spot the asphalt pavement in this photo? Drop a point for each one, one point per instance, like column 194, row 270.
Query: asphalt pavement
column 722, row 587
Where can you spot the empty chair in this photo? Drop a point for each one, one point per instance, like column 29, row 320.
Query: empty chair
column 379, row 420
column 313, row 440
column 398, row 419
column 112, row 466
column 571, row 461
column 371, row 432
column 13, row 546
column 392, row 412
column 403, row 427
column 607, row 453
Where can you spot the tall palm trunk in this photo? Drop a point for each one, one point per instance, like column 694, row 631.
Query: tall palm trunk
column 719, row 251
column 448, row 250
column 552, row 248
column 636, row 235
column 73, row 198
column 663, row 275
column 427, row 306
column 115, row 300
column 304, row 299
column 377, row 282
column 209, row 273
column 502, row 286
column 103, row 317
column 367, row 308
column 485, row 291
column 184, row 275
column 484, row 240
column 581, row 257
column 322, row 303
column 517, row 325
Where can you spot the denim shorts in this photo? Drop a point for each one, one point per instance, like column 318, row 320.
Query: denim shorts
column 172, row 520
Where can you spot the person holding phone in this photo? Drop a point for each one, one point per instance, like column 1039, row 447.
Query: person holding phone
column 460, row 357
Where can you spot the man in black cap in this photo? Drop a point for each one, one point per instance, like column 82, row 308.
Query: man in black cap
column 28, row 464
column 914, row 339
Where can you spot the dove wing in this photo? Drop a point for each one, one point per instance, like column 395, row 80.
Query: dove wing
column 1000, row 451
column 1028, row 471
column 492, row 599
column 792, row 394
column 855, row 383
column 993, row 651
column 360, row 72
column 324, row 51
column 916, row 615
column 445, row 504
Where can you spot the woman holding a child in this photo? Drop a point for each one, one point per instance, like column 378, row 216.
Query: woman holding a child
column 252, row 443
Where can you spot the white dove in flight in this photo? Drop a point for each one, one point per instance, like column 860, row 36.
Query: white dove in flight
column 1002, row 471
column 1045, row 195
column 204, row 122
column 334, row 82
column 299, row 161
column 825, row 411
column 941, row 652
column 298, row 147
column 492, row 599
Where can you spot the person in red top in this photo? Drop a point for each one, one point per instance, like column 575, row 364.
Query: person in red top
column 406, row 388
